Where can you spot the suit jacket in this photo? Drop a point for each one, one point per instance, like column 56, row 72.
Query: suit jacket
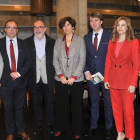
column 1, row 65
column 122, row 71
column 23, row 65
column 75, row 63
column 95, row 61
column 49, row 63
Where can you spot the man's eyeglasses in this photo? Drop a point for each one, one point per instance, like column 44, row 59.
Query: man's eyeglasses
column 10, row 28
column 39, row 27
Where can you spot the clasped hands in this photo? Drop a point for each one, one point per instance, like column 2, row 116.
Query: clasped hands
column 65, row 81
column 14, row 75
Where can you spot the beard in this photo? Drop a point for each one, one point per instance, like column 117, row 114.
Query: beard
column 39, row 34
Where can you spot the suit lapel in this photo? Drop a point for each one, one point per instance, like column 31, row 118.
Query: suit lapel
column 19, row 45
column 72, row 45
column 103, row 37
column 47, row 46
column 63, row 49
column 113, row 52
column 47, row 41
column 5, row 53
column 123, row 50
column 33, row 49
column 91, row 43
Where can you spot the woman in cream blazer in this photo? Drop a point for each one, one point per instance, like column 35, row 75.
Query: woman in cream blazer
column 69, row 63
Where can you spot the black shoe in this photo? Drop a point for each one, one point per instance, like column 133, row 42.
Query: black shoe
column 50, row 129
column 91, row 132
column 108, row 134
column 37, row 130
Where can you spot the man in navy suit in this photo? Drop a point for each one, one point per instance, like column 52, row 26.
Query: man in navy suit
column 16, row 61
column 96, row 49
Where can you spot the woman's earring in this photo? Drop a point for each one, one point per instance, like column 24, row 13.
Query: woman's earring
column 73, row 30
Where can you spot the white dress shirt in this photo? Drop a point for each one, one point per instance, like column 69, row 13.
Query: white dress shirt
column 15, row 47
column 40, row 46
column 99, row 39
column 98, row 36
column 1, row 65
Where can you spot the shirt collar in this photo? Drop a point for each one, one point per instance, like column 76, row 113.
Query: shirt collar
column 8, row 39
column 36, row 39
column 64, row 37
column 99, row 33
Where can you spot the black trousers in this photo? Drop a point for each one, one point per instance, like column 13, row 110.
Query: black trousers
column 76, row 91
column 13, row 102
column 42, row 89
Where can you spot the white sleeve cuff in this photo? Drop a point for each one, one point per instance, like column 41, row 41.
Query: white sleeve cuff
column 19, row 74
column 86, row 72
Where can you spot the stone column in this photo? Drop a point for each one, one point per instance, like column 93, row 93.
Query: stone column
column 77, row 9
column 46, row 20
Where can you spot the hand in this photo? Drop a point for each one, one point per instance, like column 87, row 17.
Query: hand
column 131, row 89
column 88, row 76
column 63, row 80
column 107, row 86
column 14, row 75
column 70, row 81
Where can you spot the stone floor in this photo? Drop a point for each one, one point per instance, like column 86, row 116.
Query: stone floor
column 68, row 135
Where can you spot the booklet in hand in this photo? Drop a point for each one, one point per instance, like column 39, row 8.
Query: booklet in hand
column 97, row 78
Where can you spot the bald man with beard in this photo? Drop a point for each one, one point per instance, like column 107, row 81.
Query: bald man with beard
column 41, row 75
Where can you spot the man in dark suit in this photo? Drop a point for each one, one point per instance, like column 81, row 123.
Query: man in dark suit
column 96, row 48
column 41, row 75
column 17, row 61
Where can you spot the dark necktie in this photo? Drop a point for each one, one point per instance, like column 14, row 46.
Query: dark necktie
column 95, row 42
column 13, row 61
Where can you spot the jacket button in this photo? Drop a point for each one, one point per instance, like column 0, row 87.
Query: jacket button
column 115, row 65
column 120, row 66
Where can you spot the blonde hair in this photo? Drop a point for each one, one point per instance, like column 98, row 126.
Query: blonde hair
column 129, row 33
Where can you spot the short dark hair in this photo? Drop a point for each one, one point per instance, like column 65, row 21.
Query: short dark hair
column 69, row 19
column 94, row 15
column 10, row 21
